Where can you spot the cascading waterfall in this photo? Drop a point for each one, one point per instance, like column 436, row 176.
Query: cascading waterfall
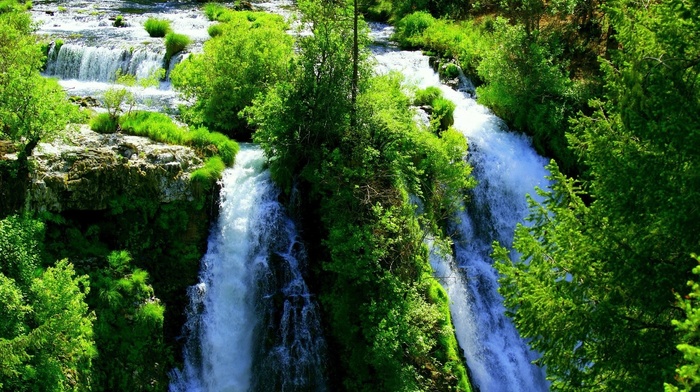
column 93, row 49
column 507, row 168
column 90, row 63
column 238, row 338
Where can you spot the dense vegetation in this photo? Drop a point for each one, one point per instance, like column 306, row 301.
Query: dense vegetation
column 604, row 254
column 600, row 289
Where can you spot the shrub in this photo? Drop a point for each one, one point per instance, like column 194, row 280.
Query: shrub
column 427, row 96
column 157, row 27
column 104, row 123
column 216, row 12
column 443, row 114
column 449, row 71
column 410, row 28
column 175, row 43
column 119, row 21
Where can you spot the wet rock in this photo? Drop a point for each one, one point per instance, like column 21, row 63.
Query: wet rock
column 91, row 169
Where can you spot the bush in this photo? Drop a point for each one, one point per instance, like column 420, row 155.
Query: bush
column 104, row 123
column 175, row 43
column 216, row 12
column 119, row 21
column 427, row 96
column 252, row 53
column 449, row 71
column 443, row 114
column 157, row 27
column 213, row 143
column 410, row 29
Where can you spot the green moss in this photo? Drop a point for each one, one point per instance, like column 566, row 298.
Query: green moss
column 157, row 27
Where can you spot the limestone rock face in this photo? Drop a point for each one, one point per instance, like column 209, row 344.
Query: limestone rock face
column 91, row 169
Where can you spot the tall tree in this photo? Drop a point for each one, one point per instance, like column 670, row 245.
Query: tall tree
column 32, row 108
column 593, row 290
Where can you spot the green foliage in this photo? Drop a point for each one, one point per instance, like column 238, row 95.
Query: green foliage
column 688, row 374
column 251, row 53
column 129, row 329
column 119, row 21
column 206, row 176
column 216, row 12
column 32, row 108
column 466, row 41
column 427, row 95
column 387, row 329
column 443, row 114
column 529, row 89
column 156, row 126
column 161, row 128
column 410, row 28
column 209, row 143
column 441, row 109
column 20, row 240
column 157, row 27
column 606, row 272
column 175, row 43
column 215, row 30
column 104, row 123
column 45, row 327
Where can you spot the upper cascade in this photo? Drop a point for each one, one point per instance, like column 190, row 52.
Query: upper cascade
column 101, row 64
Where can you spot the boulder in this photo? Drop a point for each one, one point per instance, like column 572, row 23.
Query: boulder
column 90, row 169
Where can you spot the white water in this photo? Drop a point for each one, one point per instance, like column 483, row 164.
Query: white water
column 507, row 168
column 94, row 50
column 239, row 339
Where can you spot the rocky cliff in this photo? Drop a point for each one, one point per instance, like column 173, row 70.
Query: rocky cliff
column 89, row 170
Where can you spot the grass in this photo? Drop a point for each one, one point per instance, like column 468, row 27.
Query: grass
column 104, row 123
column 161, row 128
column 175, row 43
column 207, row 175
column 157, row 27
column 215, row 30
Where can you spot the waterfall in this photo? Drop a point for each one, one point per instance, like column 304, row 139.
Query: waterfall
column 506, row 168
column 252, row 323
column 90, row 63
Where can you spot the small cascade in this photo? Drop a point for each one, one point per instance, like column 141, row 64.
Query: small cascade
column 506, row 168
column 252, row 323
column 101, row 64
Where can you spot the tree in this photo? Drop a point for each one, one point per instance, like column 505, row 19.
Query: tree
column 688, row 374
column 312, row 110
column 593, row 287
column 129, row 329
column 45, row 325
column 32, row 108
column 251, row 54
